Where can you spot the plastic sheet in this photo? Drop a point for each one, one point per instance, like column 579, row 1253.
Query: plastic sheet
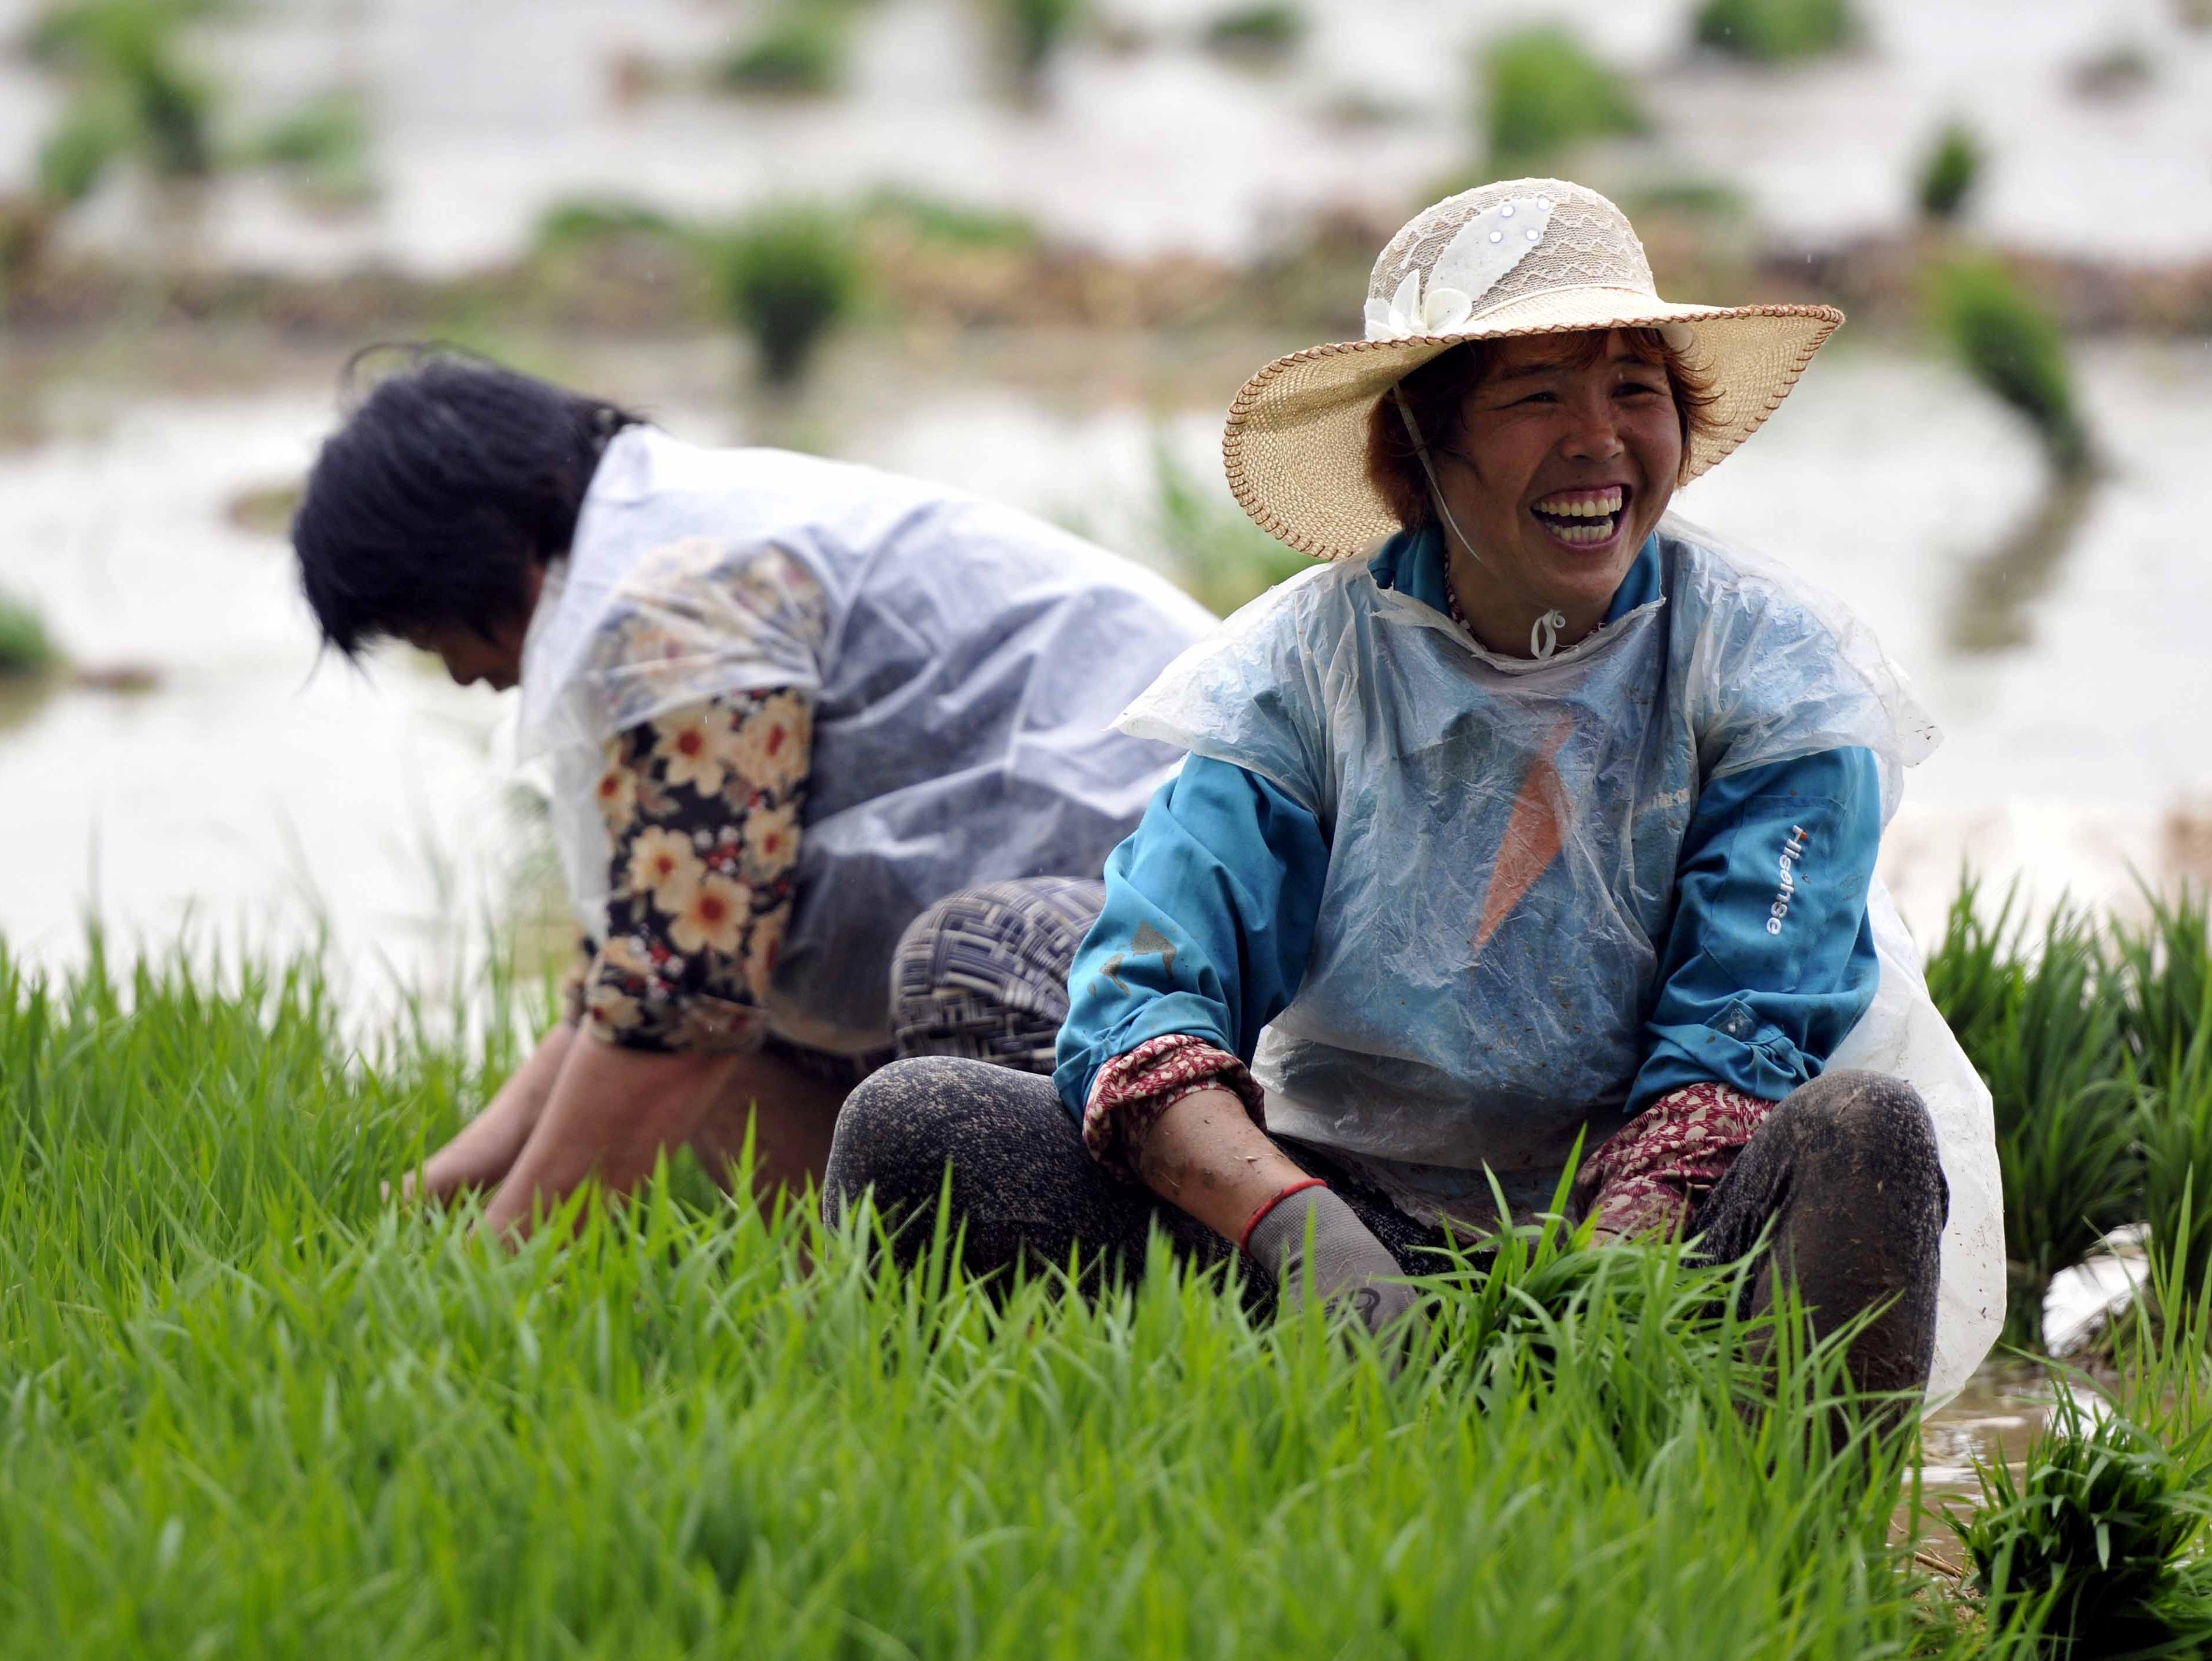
column 965, row 662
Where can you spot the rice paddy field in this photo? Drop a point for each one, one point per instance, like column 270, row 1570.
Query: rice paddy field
column 249, row 1408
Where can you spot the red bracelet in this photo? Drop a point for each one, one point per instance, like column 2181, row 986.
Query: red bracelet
column 1260, row 1215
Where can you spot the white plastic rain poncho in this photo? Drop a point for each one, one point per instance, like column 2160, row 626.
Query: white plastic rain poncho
column 1436, row 1028
column 965, row 662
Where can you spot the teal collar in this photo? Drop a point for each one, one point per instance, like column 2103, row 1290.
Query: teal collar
column 1412, row 563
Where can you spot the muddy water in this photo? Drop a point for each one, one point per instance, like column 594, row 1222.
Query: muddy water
column 259, row 787
column 483, row 114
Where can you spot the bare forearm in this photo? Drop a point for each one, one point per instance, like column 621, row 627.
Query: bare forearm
column 611, row 1114
column 1205, row 1155
column 790, row 1114
column 486, row 1147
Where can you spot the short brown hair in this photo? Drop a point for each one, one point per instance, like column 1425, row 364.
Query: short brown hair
column 1437, row 391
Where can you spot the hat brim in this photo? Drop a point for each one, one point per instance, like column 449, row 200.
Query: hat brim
column 1296, row 446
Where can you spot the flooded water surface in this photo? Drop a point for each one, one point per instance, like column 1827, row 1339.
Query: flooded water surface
column 1143, row 142
column 259, row 782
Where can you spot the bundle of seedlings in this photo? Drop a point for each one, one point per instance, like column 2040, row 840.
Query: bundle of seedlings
column 790, row 274
column 2038, row 1026
column 2160, row 985
column 2088, row 1551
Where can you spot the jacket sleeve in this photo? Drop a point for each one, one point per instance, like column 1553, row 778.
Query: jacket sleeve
column 1768, row 962
column 1210, row 909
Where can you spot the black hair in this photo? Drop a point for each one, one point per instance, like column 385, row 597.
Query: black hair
column 447, row 481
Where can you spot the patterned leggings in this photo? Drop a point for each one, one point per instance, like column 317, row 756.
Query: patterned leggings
column 982, row 976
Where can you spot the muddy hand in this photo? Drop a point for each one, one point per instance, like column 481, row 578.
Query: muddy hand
column 1323, row 1250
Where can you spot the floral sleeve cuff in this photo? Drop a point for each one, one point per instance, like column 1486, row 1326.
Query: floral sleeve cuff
column 1649, row 1178
column 1132, row 1091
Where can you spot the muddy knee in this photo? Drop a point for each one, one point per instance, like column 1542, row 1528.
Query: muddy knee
column 892, row 1136
column 1870, row 1133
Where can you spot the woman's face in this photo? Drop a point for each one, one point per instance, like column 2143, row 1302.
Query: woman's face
column 1561, row 468
column 469, row 656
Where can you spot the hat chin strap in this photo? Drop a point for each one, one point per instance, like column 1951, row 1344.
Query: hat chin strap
column 1544, row 633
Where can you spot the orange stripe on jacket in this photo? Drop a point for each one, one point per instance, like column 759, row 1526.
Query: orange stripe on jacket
column 1533, row 836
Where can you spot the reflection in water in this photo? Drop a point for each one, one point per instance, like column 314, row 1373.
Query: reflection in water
column 2005, row 1406
column 1995, row 591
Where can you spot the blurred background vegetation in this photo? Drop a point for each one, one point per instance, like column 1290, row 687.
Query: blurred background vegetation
column 1032, row 246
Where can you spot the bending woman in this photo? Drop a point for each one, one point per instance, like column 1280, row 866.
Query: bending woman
column 1544, row 820
column 787, row 703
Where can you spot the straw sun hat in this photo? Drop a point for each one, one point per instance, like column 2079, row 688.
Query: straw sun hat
column 1524, row 257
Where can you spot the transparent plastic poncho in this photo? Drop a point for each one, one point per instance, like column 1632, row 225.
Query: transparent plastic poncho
column 1440, row 1024
column 965, row 662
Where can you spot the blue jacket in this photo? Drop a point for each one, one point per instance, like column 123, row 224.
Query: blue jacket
column 1225, row 873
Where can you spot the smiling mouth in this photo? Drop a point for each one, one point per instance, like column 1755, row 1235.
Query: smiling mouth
column 1584, row 519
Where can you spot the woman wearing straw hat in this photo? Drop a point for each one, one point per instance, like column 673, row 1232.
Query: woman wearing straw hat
column 1532, row 819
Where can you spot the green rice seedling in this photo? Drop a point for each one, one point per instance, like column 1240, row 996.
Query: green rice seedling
column 1225, row 559
column 1265, row 32
column 2066, row 1128
column 1950, row 172
column 331, row 130
column 2175, row 1132
column 1775, row 30
column 1541, row 91
column 131, row 52
column 2162, row 979
column 932, row 219
column 2090, row 1537
column 247, row 1407
column 2160, row 983
column 1692, row 198
column 26, row 649
column 802, row 47
column 2011, row 345
column 324, row 143
column 2046, row 1039
column 578, row 221
column 1974, row 973
column 790, row 275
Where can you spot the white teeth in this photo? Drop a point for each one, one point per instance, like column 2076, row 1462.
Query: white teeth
column 1586, row 507
column 1588, row 536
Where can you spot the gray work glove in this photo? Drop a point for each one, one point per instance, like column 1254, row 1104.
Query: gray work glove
column 1315, row 1234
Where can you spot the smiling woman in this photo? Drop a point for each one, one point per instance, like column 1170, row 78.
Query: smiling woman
column 1474, row 858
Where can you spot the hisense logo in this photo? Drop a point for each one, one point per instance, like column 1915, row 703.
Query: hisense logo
column 1793, row 850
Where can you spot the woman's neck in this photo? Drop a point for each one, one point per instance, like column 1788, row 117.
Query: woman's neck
column 1503, row 622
